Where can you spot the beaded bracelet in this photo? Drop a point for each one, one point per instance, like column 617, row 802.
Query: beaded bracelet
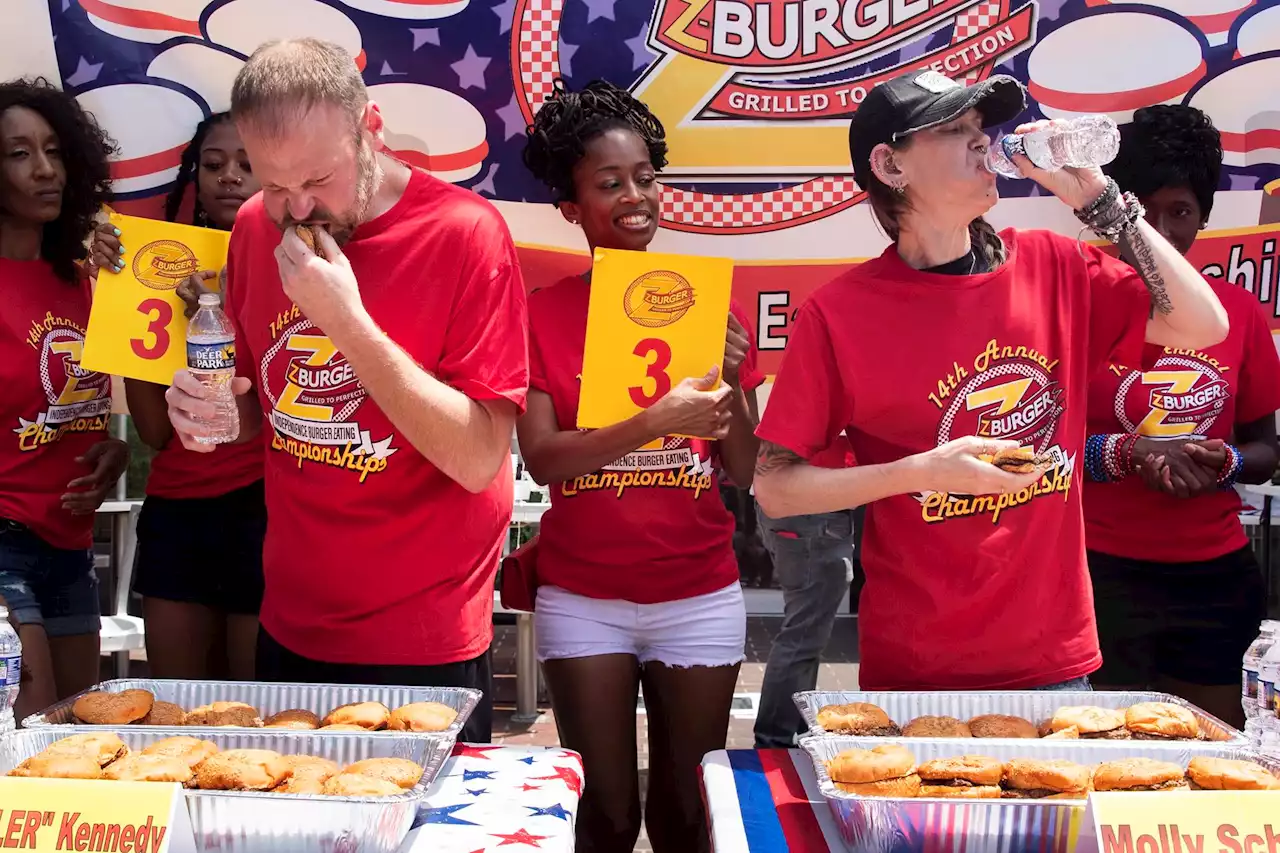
column 1109, row 458
column 1112, row 212
column 1231, row 468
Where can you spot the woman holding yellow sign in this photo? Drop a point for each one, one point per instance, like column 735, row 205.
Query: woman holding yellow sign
column 635, row 556
column 56, row 460
column 199, row 557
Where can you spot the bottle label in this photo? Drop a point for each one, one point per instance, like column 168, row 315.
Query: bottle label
column 1266, row 694
column 11, row 670
column 219, row 355
column 1251, row 684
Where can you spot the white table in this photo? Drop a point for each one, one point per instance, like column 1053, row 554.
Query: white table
column 500, row 798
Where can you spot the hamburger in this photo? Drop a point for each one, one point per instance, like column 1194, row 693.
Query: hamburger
column 1161, row 721
column 307, row 234
column 936, row 727
column 1017, row 460
column 967, row 777
column 1002, row 725
column 1027, row 779
column 886, row 771
column 857, row 718
column 1221, row 774
column 1139, row 774
column 1092, row 723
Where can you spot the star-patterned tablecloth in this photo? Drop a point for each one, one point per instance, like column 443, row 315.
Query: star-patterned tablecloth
column 507, row 798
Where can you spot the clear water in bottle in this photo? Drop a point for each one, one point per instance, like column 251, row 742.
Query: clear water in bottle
column 1268, row 695
column 10, row 670
column 211, row 356
column 1091, row 140
column 1249, row 672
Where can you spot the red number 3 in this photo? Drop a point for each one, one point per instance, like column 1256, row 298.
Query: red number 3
column 655, row 370
column 156, row 327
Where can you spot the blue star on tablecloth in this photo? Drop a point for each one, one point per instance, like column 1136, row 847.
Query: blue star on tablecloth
column 556, row 810
column 444, row 814
column 469, row 775
column 477, row 792
column 528, row 759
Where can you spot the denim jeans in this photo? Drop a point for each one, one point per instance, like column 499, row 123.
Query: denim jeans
column 1081, row 683
column 813, row 563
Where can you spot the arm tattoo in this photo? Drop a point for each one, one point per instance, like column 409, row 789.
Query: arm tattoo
column 1140, row 250
column 773, row 457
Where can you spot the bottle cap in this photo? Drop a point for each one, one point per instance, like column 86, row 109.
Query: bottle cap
column 210, row 299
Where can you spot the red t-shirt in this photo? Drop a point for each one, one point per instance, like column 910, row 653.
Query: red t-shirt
column 52, row 410
column 1181, row 394
column 180, row 473
column 372, row 554
column 648, row 528
column 964, row 592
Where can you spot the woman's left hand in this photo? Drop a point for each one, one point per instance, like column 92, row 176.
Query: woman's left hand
column 1076, row 187
column 736, row 345
column 105, row 252
column 109, row 458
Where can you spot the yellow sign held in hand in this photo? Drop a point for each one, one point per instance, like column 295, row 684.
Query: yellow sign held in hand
column 92, row 816
column 653, row 321
column 138, row 324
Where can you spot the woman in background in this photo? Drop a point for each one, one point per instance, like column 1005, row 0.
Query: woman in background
column 199, row 557
column 57, row 462
column 1176, row 587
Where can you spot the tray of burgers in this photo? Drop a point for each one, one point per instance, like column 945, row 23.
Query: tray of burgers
column 1025, row 714
column 254, row 790
column 354, row 708
column 949, row 793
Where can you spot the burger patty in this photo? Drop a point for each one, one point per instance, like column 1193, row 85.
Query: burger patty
column 1031, row 793
column 1114, row 734
column 951, row 783
column 1146, row 736
column 1171, row 785
column 884, row 731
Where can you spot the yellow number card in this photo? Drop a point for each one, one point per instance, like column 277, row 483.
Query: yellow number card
column 653, row 321
column 138, row 325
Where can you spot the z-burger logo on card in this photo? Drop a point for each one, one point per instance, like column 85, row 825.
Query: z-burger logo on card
column 733, row 85
column 315, row 395
column 78, row 400
column 164, row 264
column 1006, row 393
column 1181, row 396
column 658, row 299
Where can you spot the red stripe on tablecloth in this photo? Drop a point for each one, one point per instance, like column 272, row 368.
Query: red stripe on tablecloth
column 799, row 824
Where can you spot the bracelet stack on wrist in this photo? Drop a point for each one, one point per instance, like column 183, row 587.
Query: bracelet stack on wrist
column 1109, row 458
column 1231, row 468
column 1112, row 212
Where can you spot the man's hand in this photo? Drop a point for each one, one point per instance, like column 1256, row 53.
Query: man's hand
column 108, row 459
column 324, row 289
column 736, row 345
column 191, row 410
column 1077, row 187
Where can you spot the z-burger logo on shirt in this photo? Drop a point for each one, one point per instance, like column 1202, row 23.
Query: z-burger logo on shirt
column 314, row 396
column 1007, row 393
column 669, row 463
column 1181, row 396
column 79, row 400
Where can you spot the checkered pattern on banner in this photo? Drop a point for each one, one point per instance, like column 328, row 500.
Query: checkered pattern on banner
column 538, row 23
column 539, row 49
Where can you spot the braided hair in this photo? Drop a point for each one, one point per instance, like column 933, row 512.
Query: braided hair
column 188, row 171
column 84, row 148
column 567, row 121
column 1169, row 145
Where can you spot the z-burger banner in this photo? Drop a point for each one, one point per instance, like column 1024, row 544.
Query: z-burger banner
column 755, row 96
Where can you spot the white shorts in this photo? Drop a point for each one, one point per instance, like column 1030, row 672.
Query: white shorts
column 706, row 630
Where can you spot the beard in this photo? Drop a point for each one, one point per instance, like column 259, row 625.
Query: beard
column 341, row 226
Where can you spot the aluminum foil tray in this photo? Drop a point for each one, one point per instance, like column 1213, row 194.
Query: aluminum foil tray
column 251, row 822
column 881, row 825
column 270, row 698
column 1033, row 705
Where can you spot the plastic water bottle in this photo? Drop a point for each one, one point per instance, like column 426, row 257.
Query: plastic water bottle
column 1268, row 697
column 10, row 670
column 211, row 356
column 1090, row 140
column 1252, row 659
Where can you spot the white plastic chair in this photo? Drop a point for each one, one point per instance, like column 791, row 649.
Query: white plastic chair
column 120, row 632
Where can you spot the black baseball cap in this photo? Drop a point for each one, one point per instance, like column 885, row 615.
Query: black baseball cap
column 922, row 99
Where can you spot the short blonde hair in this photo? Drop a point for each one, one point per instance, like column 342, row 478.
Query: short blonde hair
column 285, row 79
